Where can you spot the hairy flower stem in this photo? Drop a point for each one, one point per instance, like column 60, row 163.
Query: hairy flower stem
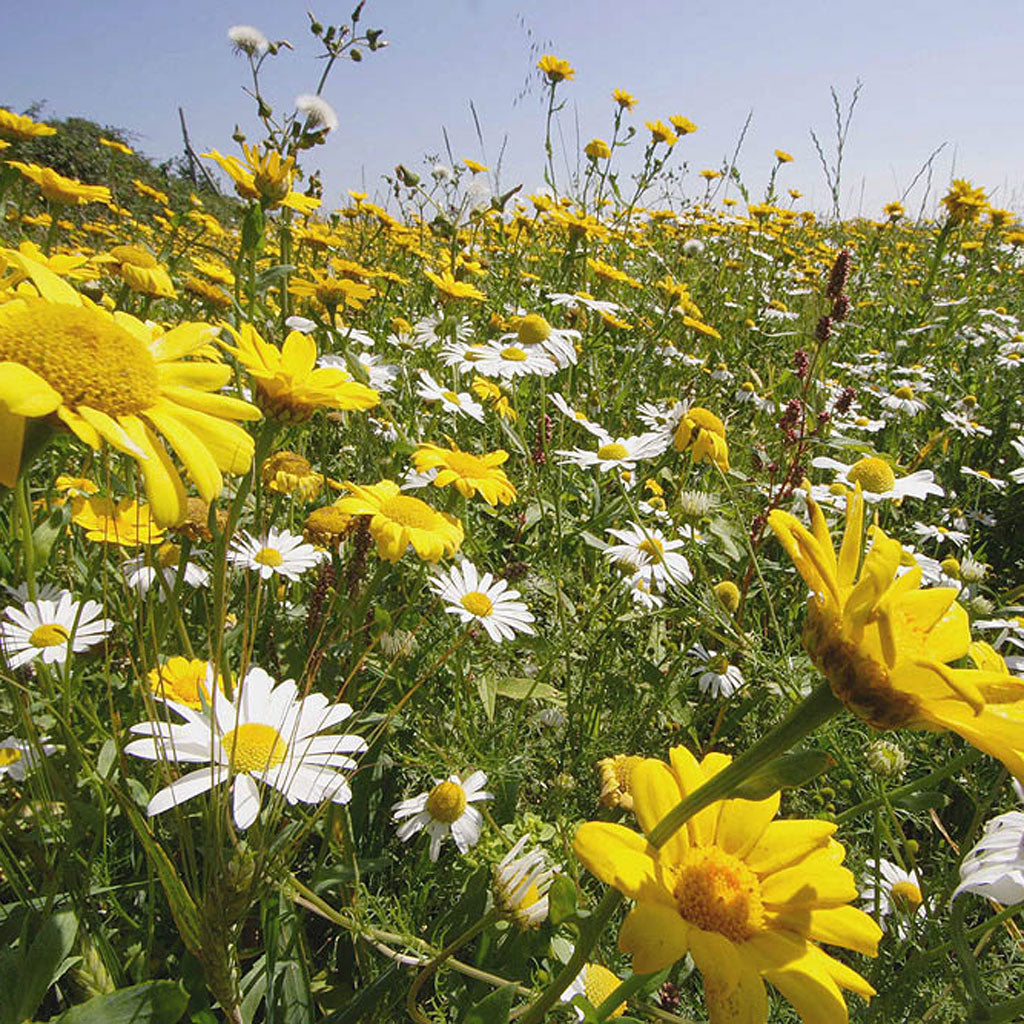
column 813, row 712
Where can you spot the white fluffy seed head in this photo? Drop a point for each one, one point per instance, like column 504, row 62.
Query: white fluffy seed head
column 319, row 113
column 248, row 39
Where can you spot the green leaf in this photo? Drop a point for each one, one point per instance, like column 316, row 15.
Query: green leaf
column 45, row 961
column 384, row 991
column 561, row 900
column 487, row 687
column 45, row 535
column 924, row 800
column 518, row 688
column 786, row 772
column 493, row 1008
column 152, row 1002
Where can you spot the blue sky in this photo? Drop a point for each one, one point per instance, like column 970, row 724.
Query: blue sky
column 933, row 72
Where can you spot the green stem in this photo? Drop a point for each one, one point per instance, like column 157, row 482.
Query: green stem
column 24, row 506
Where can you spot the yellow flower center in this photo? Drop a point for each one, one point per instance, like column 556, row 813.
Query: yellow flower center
column 477, row 603
column 904, row 392
column 719, row 893
column 514, row 354
column 409, row 512
column 654, row 548
column 8, row 756
column 533, row 329
column 531, row 896
column 613, row 451
column 83, row 354
column 598, row 984
column 446, row 802
column 52, row 635
column 951, row 567
column 873, row 474
column 254, row 747
column 269, row 556
column 181, row 680
column 728, row 594
column 452, row 397
column 906, row 897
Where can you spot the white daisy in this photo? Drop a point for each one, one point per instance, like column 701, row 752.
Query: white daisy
column 577, row 417
column 994, row 867
column 18, row 758
column 445, row 810
column 877, row 480
column 717, row 677
column 651, row 556
column 380, row 374
column 277, row 552
column 521, row 883
column 536, row 334
column 941, row 533
column 461, row 403
column 571, row 299
column 301, row 324
column 266, row 736
column 618, row 452
column 508, row 361
column 142, row 571
column 432, row 330
column 904, row 400
column 482, row 599
column 51, row 629
column 982, row 474
column 858, row 422
column 897, row 895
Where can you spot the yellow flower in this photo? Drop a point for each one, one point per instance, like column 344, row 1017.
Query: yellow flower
column 140, row 271
column 183, row 680
column 127, row 524
column 119, row 146
column 208, row 293
column 266, row 177
column 661, row 133
column 886, row 646
column 326, row 526
column 963, row 202
column 290, row 473
column 683, row 125
column 598, row 149
column 624, row 99
column 332, row 292
column 783, row 157
column 18, row 128
column 555, row 69
column 475, row 167
column 58, row 189
column 471, row 474
column 109, row 377
column 616, row 776
column 747, row 897
column 452, row 289
column 710, row 175
column 289, row 385
column 702, row 433
column 398, row 520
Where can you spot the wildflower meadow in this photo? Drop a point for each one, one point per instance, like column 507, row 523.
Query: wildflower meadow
column 454, row 603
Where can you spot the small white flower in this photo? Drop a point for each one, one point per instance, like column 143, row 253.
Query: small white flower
column 319, row 113
column 444, row 811
column 301, row 324
column 982, row 474
column 618, row 452
column 277, row 552
column 897, row 895
column 559, row 402
column 248, row 39
column 941, row 533
column 504, row 361
column 265, row 736
column 142, row 571
column 18, row 758
column 461, row 403
column 994, row 867
column 877, row 480
column 717, row 677
column 441, row 173
column 50, row 629
column 693, row 247
column 482, row 599
column 903, row 400
column 651, row 555
column 521, row 883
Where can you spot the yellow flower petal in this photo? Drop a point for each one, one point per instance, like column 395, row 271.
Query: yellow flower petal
column 617, row 855
column 656, row 936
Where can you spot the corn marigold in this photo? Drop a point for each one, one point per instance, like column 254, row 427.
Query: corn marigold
column 471, row 474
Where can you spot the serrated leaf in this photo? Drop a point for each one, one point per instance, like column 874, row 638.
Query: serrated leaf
column 786, row 772
column 493, row 1008
column 152, row 1002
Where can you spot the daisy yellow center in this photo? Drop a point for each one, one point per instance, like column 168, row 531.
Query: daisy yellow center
column 254, row 747
column 906, row 896
column 598, row 984
column 409, row 512
column 719, row 893
column 477, row 603
column 874, row 475
column 514, row 354
column 8, row 756
column 181, row 682
column 748, row 387
column 904, row 392
column 533, row 329
column 269, row 556
column 613, row 451
column 719, row 665
column 652, row 547
column 530, row 897
column 49, row 635
column 451, row 396
column 446, row 802
column 84, row 355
